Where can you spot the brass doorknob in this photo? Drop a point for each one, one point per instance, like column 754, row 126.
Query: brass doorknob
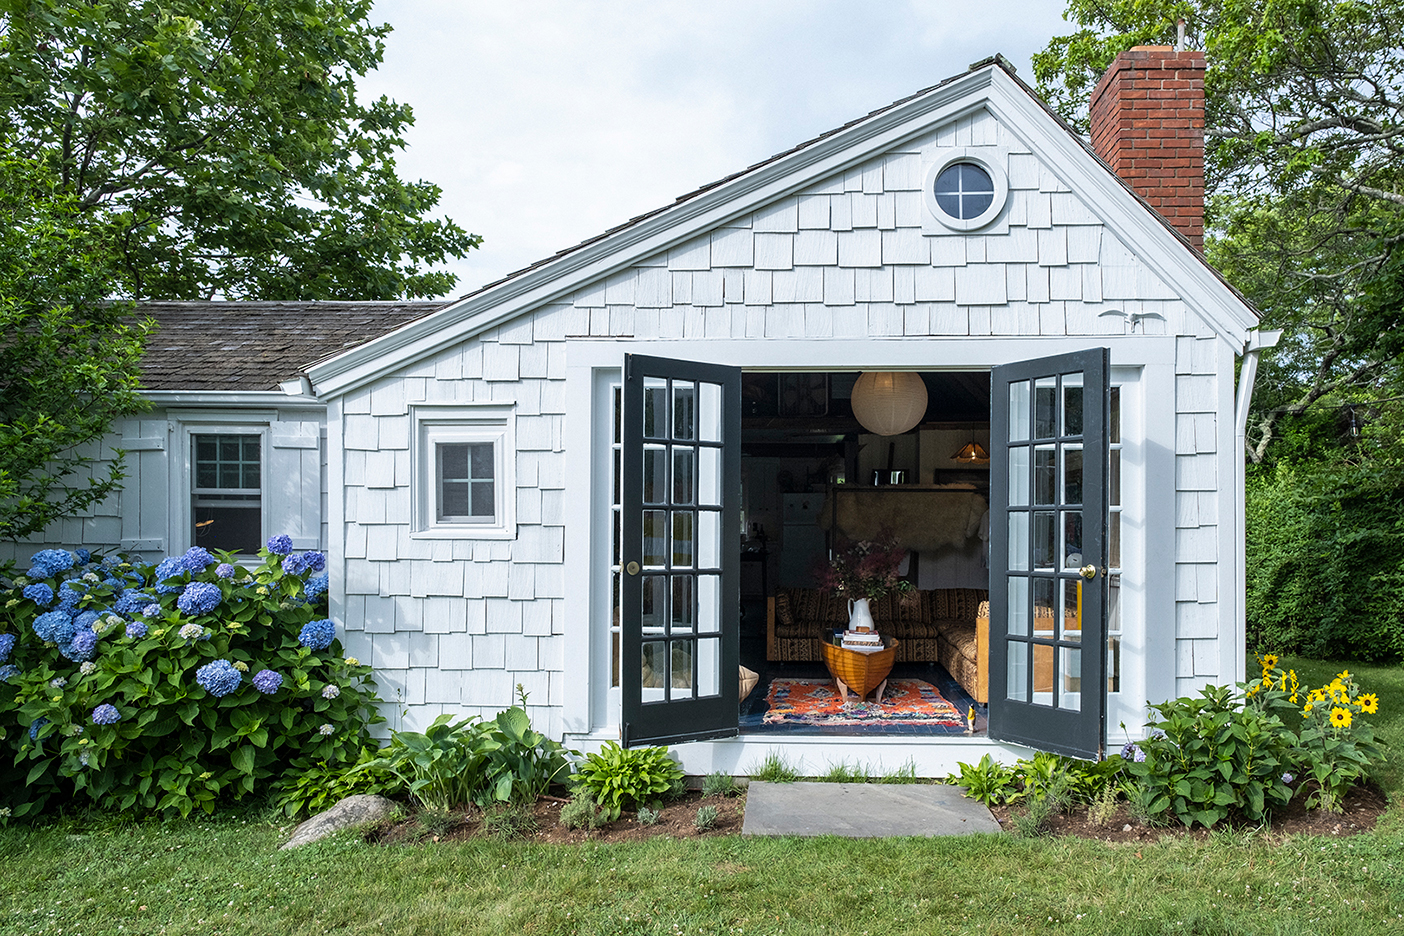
column 1088, row 571
column 632, row 568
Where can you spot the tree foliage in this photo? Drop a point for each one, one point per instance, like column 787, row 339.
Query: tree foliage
column 1304, row 139
column 225, row 142
column 68, row 360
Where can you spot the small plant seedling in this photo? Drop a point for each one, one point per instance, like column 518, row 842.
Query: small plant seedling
column 508, row 821
column 648, row 816
column 582, row 812
column 718, row 784
column 705, row 819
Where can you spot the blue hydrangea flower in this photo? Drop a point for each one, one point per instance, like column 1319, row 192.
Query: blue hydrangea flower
column 218, row 678
column 1132, row 752
column 136, row 630
column 39, row 593
column 280, row 545
column 1287, row 778
column 83, row 646
column 106, row 714
column 317, row 635
column 132, row 601
column 48, row 563
column 8, row 670
column 326, row 730
column 69, row 594
column 197, row 559
column 193, row 632
column 50, row 624
column 83, row 556
column 36, row 726
column 316, row 585
column 224, row 570
column 267, row 682
column 86, row 620
column 7, row 643
column 293, row 565
column 199, row 598
column 151, row 610
column 171, row 567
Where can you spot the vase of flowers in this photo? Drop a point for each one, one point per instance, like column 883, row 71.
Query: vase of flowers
column 863, row 571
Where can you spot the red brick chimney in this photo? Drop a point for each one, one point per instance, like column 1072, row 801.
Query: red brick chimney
column 1147, row 116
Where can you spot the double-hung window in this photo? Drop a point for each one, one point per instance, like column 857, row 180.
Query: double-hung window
column 226, row 492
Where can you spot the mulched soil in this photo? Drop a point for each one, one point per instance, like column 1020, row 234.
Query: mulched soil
column 1362, row 809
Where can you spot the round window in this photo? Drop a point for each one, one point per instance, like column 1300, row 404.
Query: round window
column 964, row 191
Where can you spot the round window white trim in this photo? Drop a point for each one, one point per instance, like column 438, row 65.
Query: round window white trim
column 989, row 160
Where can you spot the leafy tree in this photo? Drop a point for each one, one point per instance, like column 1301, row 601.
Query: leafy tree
column 68, row 359
column 224, row 142
column 1304, row 139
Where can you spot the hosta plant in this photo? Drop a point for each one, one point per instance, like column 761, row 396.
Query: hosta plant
column 619, row 777
column 173, row 686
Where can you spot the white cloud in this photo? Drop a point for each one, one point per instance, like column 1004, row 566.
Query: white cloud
column 547, row 122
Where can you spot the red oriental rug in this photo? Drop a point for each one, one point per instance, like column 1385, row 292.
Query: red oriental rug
column 817, row 702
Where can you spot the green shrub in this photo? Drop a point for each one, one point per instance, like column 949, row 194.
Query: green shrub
column 718, row 784
column 705, row 819
column 582, row 812
column 619, row 777
column 775, row 769
column 521, row 763
column 1325, row 572
column 323, row 785
column 168, row 688
column 988, row 782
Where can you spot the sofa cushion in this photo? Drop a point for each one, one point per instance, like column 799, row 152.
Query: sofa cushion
column 961, row 636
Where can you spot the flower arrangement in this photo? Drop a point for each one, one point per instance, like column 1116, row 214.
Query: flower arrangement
column 867, row 568
column 129, row 685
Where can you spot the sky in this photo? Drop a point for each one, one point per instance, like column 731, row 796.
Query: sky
column 546, row 122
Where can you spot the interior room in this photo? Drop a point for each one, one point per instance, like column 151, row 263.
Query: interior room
column 832, row 461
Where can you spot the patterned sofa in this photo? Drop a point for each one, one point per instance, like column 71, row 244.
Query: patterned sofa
column 949, row 626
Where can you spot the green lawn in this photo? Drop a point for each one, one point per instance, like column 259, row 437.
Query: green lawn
column 226, row 876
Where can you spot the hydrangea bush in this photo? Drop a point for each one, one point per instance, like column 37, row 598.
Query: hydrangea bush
column 170, row 687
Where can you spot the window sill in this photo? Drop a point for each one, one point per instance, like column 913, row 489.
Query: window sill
column 465, row 532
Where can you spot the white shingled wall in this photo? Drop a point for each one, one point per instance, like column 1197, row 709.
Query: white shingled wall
column 453, row 626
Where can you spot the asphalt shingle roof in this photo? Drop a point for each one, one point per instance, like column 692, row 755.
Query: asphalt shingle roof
column 222, row 345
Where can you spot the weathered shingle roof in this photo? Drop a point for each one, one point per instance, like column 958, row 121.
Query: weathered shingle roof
column 256, row 345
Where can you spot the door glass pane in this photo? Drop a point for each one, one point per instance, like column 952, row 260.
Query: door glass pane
column 615, row 611
column 1072, row 610
column 1018, row 607
column 1019, row 542
column 1072, row 540
column 709, row 416
column 684, row 539
column 1018, row 670
column 1045, row 407
column 618, row 415
column 680, row 669
column 709, row 617
column 1114, row 429
column 1044, row 539
column 708, row 539
column 1019, row 411
column 655, row 538
column 683, row 475
column 617, row 534
column 1045, row 476
column 1071, row 669
column 1042, row 674
column 1113, row 664
column 1043, row 607
column 1114, row 540
column 618, row 481
column 1019, row 476
column 655, row 474
column 655, row 603
column 683, row 605
column 709, row 491
column 655, row 408
column 1072, row 473
column 654, row 666
column 708, row 668
column 1072, row 404
column 1114, row 479
column 684, row 410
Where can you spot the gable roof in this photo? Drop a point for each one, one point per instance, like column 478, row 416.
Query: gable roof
column 990, row 83
column 241, row 346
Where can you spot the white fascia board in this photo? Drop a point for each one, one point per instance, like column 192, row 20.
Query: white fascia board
column 265, row 399
column 1199, row 286
column 708, row 210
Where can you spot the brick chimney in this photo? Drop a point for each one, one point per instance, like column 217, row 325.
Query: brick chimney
column 1147, row 116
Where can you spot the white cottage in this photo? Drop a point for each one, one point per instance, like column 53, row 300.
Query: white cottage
column 608, row 477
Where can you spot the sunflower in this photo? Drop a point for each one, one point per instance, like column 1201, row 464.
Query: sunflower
column 1369, row 703
column 1306, row 710
column 1269, row 661
column 1340, row 718
column 1345, row 674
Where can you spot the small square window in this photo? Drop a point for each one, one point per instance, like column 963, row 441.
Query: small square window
column 467, row 487
column 463, row 460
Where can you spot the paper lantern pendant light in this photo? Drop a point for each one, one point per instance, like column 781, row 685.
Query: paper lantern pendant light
column 889, row 403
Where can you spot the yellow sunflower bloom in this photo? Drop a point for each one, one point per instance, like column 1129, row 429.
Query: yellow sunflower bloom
column 1269, row 661
column 1267, row 681
column 1369, row 703
column 1306, row 710
column 1345, row 674
column 1340, row 718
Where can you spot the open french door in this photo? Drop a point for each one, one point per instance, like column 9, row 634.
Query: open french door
column 680, row 529
column 1048, row 532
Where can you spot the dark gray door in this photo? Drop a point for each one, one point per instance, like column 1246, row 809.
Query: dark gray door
column 1048, row 531
column 681, row 527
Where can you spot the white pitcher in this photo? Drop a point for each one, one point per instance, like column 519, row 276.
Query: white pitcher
column 859, row 617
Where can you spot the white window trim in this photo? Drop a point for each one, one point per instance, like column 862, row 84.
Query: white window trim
column 180, row 534
column 435, row 424
column 989, row 158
